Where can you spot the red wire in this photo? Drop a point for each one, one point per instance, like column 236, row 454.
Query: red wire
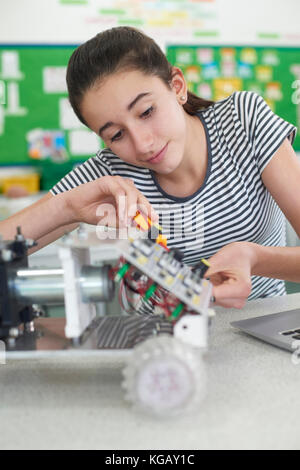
column 164, row 299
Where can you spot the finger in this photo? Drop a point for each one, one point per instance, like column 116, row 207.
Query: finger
column 216, row 278
column 238, row 289
column 132, row 202
column 129, row 205
column 137, row 201
column 230, row 303
column 143, row 203
column 147, row 209
column 231, row 295
column 106, row 214
column 127, row 201
column 119, row 195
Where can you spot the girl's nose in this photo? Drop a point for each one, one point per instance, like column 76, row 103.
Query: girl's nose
column 143, row 140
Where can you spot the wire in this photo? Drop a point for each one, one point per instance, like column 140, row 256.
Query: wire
column 133, row 288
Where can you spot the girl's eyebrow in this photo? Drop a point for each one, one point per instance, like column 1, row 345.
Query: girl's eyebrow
column 103, row 128
column 129, row 107
column 138, row 97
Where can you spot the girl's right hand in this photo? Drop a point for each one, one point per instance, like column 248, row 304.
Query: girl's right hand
column 109, row 200
column 230, row 274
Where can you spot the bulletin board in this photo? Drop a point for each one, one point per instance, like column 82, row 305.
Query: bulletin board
column 35, row 114
column 215, row 72
column 37, row 124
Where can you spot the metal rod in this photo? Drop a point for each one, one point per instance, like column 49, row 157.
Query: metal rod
column 46, row 286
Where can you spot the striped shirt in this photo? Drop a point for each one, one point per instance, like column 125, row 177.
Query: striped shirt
column 232, row 204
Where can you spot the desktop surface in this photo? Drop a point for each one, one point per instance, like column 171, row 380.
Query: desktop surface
column 252, row 400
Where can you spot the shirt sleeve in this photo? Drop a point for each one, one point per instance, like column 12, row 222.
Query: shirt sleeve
column 265, row 130
column 90, row 170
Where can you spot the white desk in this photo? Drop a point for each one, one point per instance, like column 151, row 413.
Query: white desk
column 252, row 401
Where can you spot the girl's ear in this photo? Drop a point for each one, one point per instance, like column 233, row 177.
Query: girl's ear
column 178, row 85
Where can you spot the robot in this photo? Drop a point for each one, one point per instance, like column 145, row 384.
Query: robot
column 165, row 317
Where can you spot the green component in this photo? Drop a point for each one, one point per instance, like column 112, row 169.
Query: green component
column 150, row 291
column 177, row 311
column 122, row 271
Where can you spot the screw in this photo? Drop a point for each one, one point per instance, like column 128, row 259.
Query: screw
column 38, row 311
column 19, row 236
column 29, row 327
column 30, row 243
column 67, row 239
column 82, row 233
column 7, row 255
column 14, row 332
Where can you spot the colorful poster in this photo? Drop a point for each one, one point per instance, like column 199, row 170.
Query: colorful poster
column 216, row 72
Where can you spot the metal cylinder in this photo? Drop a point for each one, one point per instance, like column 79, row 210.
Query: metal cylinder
column 46, row 286
column 41, row 286
column 95, row 284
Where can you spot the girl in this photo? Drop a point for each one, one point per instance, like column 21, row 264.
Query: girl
column 220, row 175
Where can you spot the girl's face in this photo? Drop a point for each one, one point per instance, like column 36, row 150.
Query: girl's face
column 139, row 118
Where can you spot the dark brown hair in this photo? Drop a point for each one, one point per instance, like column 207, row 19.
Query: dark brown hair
column 117, row 49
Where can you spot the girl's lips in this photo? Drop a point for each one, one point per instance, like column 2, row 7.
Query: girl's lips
column 159, row 156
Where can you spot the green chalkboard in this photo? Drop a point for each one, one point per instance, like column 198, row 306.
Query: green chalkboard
column 33, row 97
column 32, row 89
column 215, row 72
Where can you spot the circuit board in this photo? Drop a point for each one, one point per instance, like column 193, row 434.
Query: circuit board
column 168, row 272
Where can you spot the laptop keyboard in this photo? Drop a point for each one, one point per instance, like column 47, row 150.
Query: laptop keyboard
column 295, row 334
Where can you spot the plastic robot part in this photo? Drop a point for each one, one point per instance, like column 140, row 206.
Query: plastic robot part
column 192, row 329
column 141, row 221
column 145, row 224
column 201, row 267
column 165, row 377
column 79, row 315
column 162, row 241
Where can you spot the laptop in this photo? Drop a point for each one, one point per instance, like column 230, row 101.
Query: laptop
column 280, row 329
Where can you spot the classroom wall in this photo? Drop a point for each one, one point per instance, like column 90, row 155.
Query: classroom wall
column 272, row 22
column 37, row 125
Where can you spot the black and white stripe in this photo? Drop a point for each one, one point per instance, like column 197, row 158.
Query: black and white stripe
column 123, row 332
column 232, row 204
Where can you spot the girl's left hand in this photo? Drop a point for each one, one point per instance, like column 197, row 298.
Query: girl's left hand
column 230, row 274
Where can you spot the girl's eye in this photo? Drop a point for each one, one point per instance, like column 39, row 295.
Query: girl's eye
column 148, row 112
column 117, row 136
column 145, row 114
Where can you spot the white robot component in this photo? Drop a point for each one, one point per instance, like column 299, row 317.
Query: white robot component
column 165, row 377
column 165, row 373
column 78, row 314
column 193, row 329
column 75, row 257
